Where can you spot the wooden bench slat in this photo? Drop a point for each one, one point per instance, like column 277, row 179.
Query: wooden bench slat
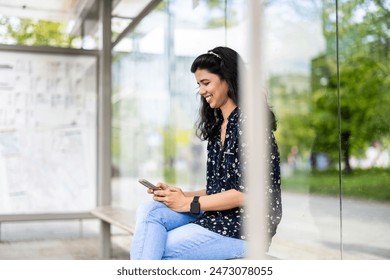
column 122, row 218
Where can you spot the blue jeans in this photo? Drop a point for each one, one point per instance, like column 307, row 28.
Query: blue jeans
column 163, row 234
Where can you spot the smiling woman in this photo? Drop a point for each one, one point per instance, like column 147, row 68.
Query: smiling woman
column 212, row 88
column 215, row 92
column 209, row 223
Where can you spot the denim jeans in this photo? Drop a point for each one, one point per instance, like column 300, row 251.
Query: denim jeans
column 162, row 233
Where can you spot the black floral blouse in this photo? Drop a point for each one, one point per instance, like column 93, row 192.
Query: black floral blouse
column 225, row 167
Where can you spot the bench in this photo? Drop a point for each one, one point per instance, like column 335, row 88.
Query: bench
column 116, row 216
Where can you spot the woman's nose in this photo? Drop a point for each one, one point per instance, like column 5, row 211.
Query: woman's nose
column 202, row 91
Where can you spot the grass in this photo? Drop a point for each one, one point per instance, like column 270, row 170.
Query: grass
column 371, row 184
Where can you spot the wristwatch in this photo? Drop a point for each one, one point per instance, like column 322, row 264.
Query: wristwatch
column 195, row 206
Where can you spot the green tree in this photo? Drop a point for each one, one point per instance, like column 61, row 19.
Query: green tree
column 24, row 31
column 291, row 91
column 364, row 77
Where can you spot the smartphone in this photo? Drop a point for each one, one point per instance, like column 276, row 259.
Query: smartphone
column 147, row 184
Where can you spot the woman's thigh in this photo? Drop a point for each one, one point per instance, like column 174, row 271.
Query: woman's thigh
column 193, row 242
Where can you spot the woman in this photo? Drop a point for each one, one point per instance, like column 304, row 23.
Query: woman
column 208, row 224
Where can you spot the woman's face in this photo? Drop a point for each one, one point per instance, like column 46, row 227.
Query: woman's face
column 212, row 88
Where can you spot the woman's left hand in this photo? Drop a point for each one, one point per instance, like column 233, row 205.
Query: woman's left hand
column 172, row 197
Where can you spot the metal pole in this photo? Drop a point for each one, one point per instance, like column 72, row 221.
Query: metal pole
column 253, row 102
column 104, row 123
column 130, row 28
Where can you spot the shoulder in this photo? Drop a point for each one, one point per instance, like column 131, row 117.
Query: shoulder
column 240, row 117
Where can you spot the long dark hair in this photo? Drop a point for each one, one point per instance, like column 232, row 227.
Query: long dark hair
column 224, row 62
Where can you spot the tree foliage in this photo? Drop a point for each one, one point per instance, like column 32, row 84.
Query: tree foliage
column 364, row 44
column 291, row 91
column 23, row 31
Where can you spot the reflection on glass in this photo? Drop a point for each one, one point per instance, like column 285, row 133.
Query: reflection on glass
column 296, row 47
column 364, row 85
column 317, row 222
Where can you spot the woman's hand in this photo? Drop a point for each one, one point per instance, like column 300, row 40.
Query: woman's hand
column 172, row 197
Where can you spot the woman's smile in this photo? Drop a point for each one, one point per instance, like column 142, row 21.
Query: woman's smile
column 208, row 97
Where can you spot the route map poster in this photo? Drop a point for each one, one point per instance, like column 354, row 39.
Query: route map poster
column 48, row 132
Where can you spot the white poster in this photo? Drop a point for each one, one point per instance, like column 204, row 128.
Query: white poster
column 48, row 121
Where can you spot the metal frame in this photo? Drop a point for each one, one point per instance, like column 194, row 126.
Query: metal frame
column 150, row 7
column 104, row 124
column 45, row 217
column 10, row 218
column 255, row 131
column 48, row 50
column 59, row 51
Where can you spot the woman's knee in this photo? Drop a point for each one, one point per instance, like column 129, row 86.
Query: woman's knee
column 149, row 210
column 157, row 212
column 147, row 207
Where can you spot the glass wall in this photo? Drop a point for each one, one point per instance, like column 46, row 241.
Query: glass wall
column 155, row 100
column 333, row 131
column 364, row 36
column 335, row 182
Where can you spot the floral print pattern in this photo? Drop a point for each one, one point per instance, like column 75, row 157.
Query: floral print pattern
column 225, row 167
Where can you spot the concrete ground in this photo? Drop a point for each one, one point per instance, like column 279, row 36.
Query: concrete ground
column 58, row 240
column 310, row 229
column 67, row 249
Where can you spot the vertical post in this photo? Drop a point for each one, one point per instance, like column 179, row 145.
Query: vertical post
column 253, row 102
column 104, row 123
column 339, row 130
column 81, row 228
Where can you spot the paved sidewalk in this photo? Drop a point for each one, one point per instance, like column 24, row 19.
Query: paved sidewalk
column 310, row 228
column 66, row 249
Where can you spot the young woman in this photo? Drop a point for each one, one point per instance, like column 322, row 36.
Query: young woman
column 208, row 224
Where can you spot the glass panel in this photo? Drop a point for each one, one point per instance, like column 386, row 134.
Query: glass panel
column 299, row 61
column 47, row 133
column 364, row 87
column 155, row 101
column 123, row 13
column 140, row 107
column 155, row 106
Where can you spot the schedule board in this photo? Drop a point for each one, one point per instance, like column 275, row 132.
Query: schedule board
column 48, row 132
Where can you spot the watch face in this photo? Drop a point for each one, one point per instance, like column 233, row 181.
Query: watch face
column 195, row 208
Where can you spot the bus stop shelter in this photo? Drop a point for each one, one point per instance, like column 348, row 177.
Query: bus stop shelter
column 56, row 111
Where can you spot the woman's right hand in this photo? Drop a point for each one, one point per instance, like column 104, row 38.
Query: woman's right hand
column 173, row 197
column 150, row 191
